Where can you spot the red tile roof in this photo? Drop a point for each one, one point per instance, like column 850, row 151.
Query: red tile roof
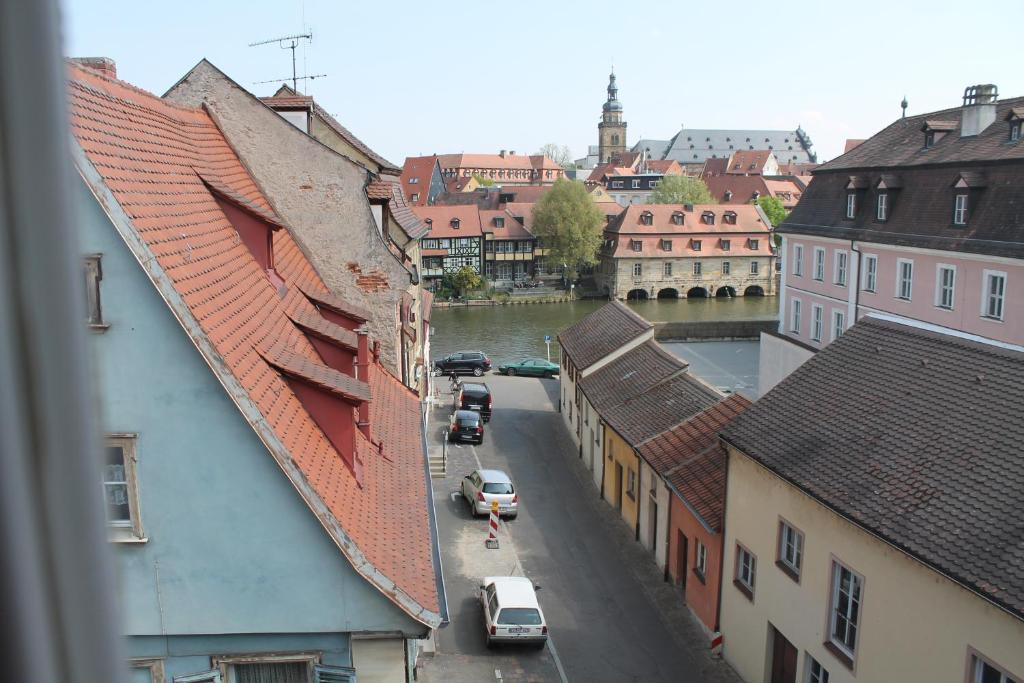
column 748, row 161
column 318, row 326
column 389, row 190
column 691, row 459
column 852, row 143
column 441, row 220
column 146, row 156
column 736, row 189
column 422, row 169
column 318, row 294
column 513, row 229
column 312, row 371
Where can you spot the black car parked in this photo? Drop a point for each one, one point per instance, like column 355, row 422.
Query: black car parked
column 474, row 396
column 466, row 425
column 463, row 362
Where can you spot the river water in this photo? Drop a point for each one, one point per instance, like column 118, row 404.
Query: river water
column 508, row 333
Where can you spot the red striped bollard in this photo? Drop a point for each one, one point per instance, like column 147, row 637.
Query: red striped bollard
column 492, row 532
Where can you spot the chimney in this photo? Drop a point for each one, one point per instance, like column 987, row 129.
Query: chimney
column 363, row 375
column 104, row 66
column 512, row 153
column 501, row 154
column 979, row 109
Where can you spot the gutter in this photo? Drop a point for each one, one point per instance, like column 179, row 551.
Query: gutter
column 435, row 548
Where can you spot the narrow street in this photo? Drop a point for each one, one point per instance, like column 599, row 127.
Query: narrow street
column 612, row 617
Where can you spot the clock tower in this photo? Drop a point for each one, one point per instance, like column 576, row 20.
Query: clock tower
column 611, row 132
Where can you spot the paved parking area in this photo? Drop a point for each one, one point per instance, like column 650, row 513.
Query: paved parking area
column 612, row 617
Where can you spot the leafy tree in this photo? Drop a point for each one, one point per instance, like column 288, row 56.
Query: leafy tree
column 484, row 182
column 772, row 208
column 465, row 279
column 560, row 154
column 569, row 224
column 680, row 189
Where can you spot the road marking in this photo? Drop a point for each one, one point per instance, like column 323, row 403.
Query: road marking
column 512, row 547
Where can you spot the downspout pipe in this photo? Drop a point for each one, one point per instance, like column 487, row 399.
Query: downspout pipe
column 856, row 281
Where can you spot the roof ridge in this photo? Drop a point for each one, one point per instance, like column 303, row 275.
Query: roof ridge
column 123, row 84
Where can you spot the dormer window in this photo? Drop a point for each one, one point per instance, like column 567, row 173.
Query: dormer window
column 729, row 217
column 1016, row 118
column 936, row 130
column 677, row 217
column 708, row 218
column 455, row 223
column 882, row 209
column 430, row 223
column 666, row 245
column 499, row 222
column 728, row 195
column 255, row 227
column 636, row 245
column 647, row 218
column 724, row 244
column 1015, row 130
column 754, row 244
column 695, row 245
column 851, row 204
column 960, row 210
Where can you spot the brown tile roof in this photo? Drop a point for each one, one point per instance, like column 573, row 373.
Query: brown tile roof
column 422, row 169
column 664, row 166
column 286, row 98
column 319, row 375
column 319, row 326
column 147, row 154
column 913, row 435
column 715, row 166
column 526, row 194
column 851, row 143
column 322, row 297
column 401, row 211
column 378, row 189
column 630, row 374
column 600, row 333
column 692, row 460
column 902, row 143
column 513, row 230
column 743, row 189
column 748, row 161
column 663, row 406
column 441, row 220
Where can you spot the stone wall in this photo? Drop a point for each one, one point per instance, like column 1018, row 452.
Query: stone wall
column 714, row 330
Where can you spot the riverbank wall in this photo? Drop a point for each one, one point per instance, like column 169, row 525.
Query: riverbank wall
column 714, row 330
column 554, row 299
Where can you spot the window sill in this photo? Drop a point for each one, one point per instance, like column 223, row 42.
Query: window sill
column 744, row 589
column 124, row 535
column 903, row 298
column 839, row 654
column 991, row 319
column 700, row 576
column 788, row 571
column 99, row 328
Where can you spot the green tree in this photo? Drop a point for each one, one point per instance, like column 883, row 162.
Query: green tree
column 465, row 279
column 680, row 189
column 772, row 208
column 569, row 224
column 484, row 182
column 560, row 154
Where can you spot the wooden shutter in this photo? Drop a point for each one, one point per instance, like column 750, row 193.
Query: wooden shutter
column 333, row 674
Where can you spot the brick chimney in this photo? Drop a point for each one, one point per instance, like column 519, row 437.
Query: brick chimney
column 104, row 66
column 979, row 109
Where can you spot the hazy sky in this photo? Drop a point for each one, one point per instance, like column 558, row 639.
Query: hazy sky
column 422, row 77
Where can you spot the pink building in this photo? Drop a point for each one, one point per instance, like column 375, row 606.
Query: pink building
column 923, row 221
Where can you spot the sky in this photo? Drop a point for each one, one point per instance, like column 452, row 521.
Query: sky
column 412, row 78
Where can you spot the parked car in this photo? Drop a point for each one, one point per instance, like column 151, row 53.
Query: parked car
column 463, row 362
column 531, row 367
column 481, row 487
column 466, row 425
column 474, row 396
column 511, row 611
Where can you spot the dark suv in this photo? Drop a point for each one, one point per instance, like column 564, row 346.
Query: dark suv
column 463, row 362
column 466, row 425
column 474, row 396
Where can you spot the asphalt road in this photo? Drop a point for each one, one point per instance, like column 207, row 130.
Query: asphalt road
column 611, row 616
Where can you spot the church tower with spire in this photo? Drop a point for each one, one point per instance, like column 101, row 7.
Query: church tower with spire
column 611, row 132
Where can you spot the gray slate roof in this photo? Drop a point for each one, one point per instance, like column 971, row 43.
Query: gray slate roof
column 630, row 374
column 600, row 333
column 697, row 145
column 913, row 435
column 660, row 407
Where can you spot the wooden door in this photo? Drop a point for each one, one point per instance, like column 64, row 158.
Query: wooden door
column 618, row 485
column 783, row 659
column 682, row 555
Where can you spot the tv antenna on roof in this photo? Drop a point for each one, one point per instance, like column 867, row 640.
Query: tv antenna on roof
column 290, row 43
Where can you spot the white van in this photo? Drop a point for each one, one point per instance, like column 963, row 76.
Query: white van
column 511, row 611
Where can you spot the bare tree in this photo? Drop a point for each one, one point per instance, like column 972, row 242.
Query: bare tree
column 560, row 154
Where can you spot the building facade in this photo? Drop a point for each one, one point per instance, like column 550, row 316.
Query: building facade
column 453, row 241
column 504, row 168
column 284, row 452
column 697, row 145
column 919, row 222
column 843, row 564
column 422, row 180
column 611, row 131
column 676, row 251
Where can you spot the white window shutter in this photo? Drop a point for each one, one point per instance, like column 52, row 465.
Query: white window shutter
column 333, row 674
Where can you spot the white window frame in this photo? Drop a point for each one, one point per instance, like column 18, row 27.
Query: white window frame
column 986, row 296
column 817, row 321
column 840, row 264
column 900, row 263
column 201, row 677
column 833, row 617
column 960, row 206
column 726, row 268
column 700, row 562
column 796, row 313
column 632, row 482
column 741, row 569
column 754, row 267
column 975, row 668
column 798, row 260
column 870, row 274
column 851, row 204
column 821, row 676
column 940, row 288
column 636, row 184
column 819, row 264
column 790, row 538
column 638, row 270
column 838, row 323
column 130, row 530
column 698, row 268
column 882, row 210
column 666, row 269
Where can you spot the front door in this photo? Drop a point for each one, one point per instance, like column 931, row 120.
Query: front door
column 591, row 450
column 783, row 659
column 653, row 507
column 618, row 486
column 682, row 554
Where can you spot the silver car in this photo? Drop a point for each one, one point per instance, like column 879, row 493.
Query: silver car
column 480, row 487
